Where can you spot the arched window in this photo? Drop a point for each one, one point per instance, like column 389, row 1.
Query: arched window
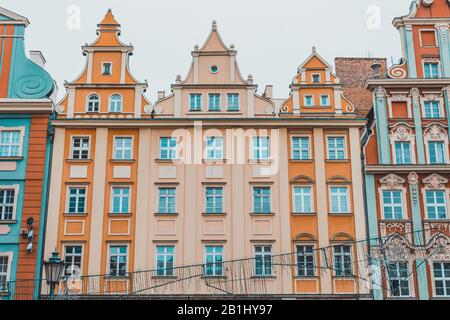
column 93, row 103
column 115, row 103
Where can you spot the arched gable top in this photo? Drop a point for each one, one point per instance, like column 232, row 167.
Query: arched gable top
column 341, row 237
column 305, row 237
column 302, row 179
column 338, row 180
column 392, row 181
column 435, row 181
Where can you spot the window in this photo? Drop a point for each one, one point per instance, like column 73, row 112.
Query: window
column 431, row 70
column 214, row 148
column 305, row 261
column 214, row 200
column 72, row 259
column 436, row 150
column 4, row 273
column 121, row 200
column 263, row 261
column 300, row 148
column 336, row 148
column 213, row 261
column 436, row 204
column 165, row 256
column 316, row 78
column 339, row 200
column 93, row 104
column 342, row 260
column 7, row 204
column 118, row 259
column 309, row 101
column 261, row 200
column 302, row 200
column 398, row 279
column 167, row 200
column 195, row 103
column 115, row 103
column 428, row 38
column 392, row 205
column 107, row 68
column 261, row 149
column 123, row 148
column 214, row 102
column 403, row 152
column 214, row 69
column 10, row 143
column 441, row 271
column 233, row 102
column 80, row 148
column 76, row 200
column 324, row 100
column 168, row 148
column 432, row 109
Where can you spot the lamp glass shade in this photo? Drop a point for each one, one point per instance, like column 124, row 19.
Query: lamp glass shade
column 54, row 269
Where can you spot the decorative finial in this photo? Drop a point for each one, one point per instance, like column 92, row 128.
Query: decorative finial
column 214, row 25
column 314, row 50
column 232, row 46
column 250, row 78
column 178, row 79
column 196, row 47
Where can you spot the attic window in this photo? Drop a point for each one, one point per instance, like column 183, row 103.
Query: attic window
column 214, row 69
column 316, row 78
column 106, row 68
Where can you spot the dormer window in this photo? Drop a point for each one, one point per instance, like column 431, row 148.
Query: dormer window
column 115, row 103
column 106, row 68
column 93, row 103
column 316, row 78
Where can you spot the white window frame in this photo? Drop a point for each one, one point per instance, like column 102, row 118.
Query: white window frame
column 260, row 148
column 327, row 137
column 168, row 149
column 9, row 255
column 316, row 74
column 85, row 187
column 433, row 281
column 270, row 199
column 328, row 100
column 429, row 62
column 238, row 102
column 165, row 254
column 110, row 101
column 103, row 68
column 311, row 196
column 191, row 96
column 349, row 207
column 108, row 270
column 121, row 201
column 99, row 102
column 82, row 254
column 122, row 149
column 309, row 147
column 209, row 102
column 215, row 199
column 215, row 254
column 446, row 204
column 435, row 38
column 16, row 189
column 22, row 135
column 214, row 148
column 424, row 110
column 263, row 254
column 410, row 284
column 72, row 137
column 312, row 100
column 314, row 255
column 158, row 195
column 352, row 260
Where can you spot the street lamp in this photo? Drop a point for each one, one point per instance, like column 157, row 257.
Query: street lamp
column 54, row 269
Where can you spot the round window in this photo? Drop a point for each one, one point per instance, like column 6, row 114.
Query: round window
column 214, row 69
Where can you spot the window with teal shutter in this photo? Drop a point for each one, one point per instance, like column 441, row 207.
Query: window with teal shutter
column 436, row 152
column 214, row 102
column 403, row 152
column 431, row 70
column 432, row 109
column 195, row 102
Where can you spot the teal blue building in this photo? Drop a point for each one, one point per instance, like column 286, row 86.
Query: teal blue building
column 25, row 146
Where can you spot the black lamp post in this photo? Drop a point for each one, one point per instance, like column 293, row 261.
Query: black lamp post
column 54, row 269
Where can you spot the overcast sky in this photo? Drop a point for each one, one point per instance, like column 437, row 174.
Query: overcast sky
column 273, row 37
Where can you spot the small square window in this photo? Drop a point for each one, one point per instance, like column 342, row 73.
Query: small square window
column 325, row 100
column 309, row 100
column 316, row 78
